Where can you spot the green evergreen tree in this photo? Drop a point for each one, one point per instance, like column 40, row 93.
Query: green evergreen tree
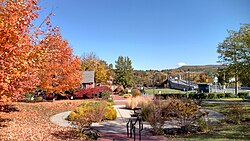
column 124, row 72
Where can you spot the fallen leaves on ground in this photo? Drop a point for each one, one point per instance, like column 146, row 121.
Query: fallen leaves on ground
column 31, row 122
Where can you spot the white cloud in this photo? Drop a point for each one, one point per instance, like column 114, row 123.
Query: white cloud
column 181, row 64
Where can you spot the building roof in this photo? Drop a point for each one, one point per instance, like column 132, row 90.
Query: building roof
column 88, row 77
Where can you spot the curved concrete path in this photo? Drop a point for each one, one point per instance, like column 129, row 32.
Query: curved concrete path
column 60, row 119
column 116, row 126
column 119, row 125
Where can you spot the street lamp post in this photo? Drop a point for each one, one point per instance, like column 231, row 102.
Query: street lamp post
column 215, row 82
column 224, row 86
column 188, row 79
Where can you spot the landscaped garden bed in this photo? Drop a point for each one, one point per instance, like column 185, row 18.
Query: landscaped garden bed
column 235, row 126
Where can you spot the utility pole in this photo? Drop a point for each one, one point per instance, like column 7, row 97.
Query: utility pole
column 236, row 84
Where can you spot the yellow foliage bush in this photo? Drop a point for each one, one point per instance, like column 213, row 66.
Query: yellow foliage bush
column 109, row 112
column 135, row 92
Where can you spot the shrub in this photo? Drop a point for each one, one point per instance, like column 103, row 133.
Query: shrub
column 243, row 94
column 27, row 97
column 109, row 111
column 138, row 101
column 135, row 92
column 157, row 111
column 193, row 96
column 202, row 122
column 211, row 96
column 83, row 117
column 107, row 95
column 152, row 113
column 185, row 111
column 165, row 96
column 125, row 91
column 220, row 95
column 91, row 92
column 197, row 96
column 229, row 95
column 86, row 116
column 103, row 88
column 235, row 112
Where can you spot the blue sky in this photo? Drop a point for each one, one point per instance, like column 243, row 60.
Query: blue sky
column 154, row 34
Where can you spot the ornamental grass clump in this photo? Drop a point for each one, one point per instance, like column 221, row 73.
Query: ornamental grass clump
column 139, row 101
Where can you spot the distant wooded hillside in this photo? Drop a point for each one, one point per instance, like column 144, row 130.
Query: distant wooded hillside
column 151, row 78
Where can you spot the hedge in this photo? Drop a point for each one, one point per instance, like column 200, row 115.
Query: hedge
column 200, row 95
column 243, row 94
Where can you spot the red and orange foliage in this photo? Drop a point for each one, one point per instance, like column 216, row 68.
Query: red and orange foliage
column 25, row 62
column 91, row 92
column 16, row 74
column 59, row 71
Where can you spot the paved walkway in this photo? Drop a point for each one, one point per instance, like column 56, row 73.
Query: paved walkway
column 110, row 130
column 119, row 124
column 116, row 130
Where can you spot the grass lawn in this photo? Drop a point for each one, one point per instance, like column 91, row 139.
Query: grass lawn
column 224, row 131
column 31, row 122
column 231, row 99
column 163, row 91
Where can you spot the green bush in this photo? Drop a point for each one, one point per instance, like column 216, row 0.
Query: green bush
column 229, row 95
column 109, row 111
column 243, row 94
column 125, row 91
column 220, row 95
column 107, row 95
column 175, row 95
column 135, row 92
column 27, row 97
column 211, row 96
column 197, row 96
column 193, row 96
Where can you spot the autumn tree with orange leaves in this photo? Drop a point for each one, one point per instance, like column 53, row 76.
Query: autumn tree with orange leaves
column 90, row 62
column 60, row 68
column 27, row 63
column 17, row 75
